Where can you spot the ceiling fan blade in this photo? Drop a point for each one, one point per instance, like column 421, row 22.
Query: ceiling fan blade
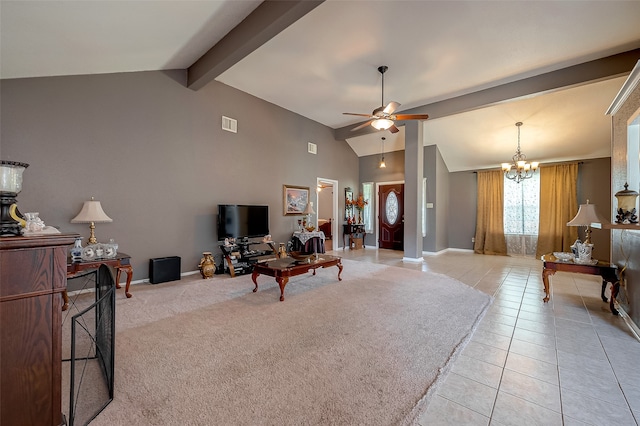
column 362, row 126
column 394, row 129
column 355, row 113
column 411, row 116
column 392, row 106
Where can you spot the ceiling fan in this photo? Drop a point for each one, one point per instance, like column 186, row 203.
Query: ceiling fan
column 382, row 118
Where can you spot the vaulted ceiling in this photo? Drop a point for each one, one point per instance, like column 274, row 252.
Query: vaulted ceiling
column 476, row 67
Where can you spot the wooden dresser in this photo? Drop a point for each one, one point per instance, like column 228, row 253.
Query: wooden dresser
column 33, row 274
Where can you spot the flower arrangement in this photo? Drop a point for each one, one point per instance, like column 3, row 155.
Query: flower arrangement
column 360, row 202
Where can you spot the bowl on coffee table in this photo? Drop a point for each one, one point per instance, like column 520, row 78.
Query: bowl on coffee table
column 301, row 257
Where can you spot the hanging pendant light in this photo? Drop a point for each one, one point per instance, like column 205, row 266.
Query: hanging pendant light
column 382, row 164
column 520, row 169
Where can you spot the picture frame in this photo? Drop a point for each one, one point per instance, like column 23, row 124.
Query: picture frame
column 294, row 199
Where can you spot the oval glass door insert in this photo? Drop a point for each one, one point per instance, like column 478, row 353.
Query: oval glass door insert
column 391, row 208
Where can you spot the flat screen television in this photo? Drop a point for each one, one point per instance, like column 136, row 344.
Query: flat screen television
column 240, row 221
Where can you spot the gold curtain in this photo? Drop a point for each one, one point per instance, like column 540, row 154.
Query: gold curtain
column 489, row 237
column 558, row 205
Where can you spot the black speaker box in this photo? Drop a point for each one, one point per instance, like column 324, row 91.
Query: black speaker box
column 163, row 269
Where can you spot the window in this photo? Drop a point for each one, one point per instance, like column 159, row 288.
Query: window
column 367, row 193
column 521, row 215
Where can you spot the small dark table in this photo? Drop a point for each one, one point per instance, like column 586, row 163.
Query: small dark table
column 122, row 262
column 607, row 271
column 308, row 242
column 353, row 231
column 287, row 267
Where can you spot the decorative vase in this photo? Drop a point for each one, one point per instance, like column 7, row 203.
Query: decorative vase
column 76, row 250
column 349, row 220
column 359, row 217
column 207, row 265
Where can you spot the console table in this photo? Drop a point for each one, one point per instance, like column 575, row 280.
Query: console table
column 607, row 271
column 354, row 232
column 122, row 262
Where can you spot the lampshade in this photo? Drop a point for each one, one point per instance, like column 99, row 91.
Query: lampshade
column 586, row 216
column 11, row 221
column 91, row 212
column 11, row 176
column 309, row 209
column 382, row 123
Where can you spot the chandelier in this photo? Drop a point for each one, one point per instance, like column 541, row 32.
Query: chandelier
column 519, row 170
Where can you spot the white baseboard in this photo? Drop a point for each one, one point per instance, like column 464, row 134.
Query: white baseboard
column 460, row 250
column 437, row 253
column 413, row 259
column 627, row 319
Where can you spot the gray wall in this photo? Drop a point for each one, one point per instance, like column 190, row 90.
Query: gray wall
column 593, row 184
column 452, row 221
column 370, row 172
column 437, row 174
column 463, row 200
column 154, row 154
column 442, row 205
column 594, row 177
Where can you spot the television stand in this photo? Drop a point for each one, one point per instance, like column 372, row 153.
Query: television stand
column 239, row 258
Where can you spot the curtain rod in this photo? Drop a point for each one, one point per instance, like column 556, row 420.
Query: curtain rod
column 541, row 165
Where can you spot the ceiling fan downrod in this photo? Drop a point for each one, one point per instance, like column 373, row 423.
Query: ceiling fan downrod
column 382, row 69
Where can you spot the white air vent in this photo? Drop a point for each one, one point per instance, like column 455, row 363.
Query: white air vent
column 312, row 148
column 229, row 124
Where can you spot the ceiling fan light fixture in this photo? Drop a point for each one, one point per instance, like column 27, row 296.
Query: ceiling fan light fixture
column 382, row 118
column 381, row 123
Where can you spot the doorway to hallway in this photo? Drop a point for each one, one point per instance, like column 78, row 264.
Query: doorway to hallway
column 327, row 210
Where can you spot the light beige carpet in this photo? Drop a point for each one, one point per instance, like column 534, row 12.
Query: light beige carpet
column 367, row 350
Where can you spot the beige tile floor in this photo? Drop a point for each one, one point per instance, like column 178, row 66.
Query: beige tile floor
column 566, row 362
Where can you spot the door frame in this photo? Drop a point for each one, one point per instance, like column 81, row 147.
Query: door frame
column 334, row 210
column 378, row 185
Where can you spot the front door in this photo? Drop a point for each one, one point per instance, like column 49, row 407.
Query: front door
column 391, row 216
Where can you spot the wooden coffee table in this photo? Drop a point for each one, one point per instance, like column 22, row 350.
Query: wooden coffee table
column 287, row 267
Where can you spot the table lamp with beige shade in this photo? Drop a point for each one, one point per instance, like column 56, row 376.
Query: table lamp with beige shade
column 308, row 211
column 92, row 213
column 586, row 216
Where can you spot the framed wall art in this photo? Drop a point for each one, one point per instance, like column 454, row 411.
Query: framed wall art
column 295, row 199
